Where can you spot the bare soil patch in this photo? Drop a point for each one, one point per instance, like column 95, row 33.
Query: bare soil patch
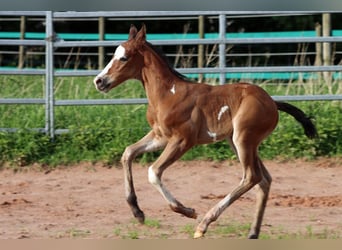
column 87, row 201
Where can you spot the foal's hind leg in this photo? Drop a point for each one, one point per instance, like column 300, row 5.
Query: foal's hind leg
column 148, row 143
column 263, row 189
column 252, row 175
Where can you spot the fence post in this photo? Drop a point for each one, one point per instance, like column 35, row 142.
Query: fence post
column 101, row 38
column 318, row 58
column 326, row 30
column 200, row 58
column 49, row 75
column 21, row 47
column 222, row 47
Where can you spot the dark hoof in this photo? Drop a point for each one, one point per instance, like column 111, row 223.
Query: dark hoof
column 253, row 236
column 188, row 212
column 140, row 216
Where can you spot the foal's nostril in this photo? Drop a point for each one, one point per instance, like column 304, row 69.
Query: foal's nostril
column 98, row 80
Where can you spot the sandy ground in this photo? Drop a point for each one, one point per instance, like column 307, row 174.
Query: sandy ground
column 87, row 201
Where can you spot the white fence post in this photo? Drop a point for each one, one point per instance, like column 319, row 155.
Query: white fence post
column 222, row 47
column 49, row 75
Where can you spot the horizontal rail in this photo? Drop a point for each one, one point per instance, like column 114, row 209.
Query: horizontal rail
column 12, row 130
column 262, row 69
column 131, row 101
column 308, row 98
column 22, row 71
column 205, row 41
column 69, row 14
column 16, row 42
column 22, row 101
column 292, row 69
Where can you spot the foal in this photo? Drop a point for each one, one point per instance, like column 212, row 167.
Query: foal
column 183, row 114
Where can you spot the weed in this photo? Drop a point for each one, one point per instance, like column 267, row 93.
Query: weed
column 188, row 229
column 133, row 235
column 117, row 231
column 152, row 223
column 77, row 233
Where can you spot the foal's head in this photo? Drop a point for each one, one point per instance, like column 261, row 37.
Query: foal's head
column 125, row 64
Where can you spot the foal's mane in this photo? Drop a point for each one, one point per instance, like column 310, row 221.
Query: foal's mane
column 160, row 53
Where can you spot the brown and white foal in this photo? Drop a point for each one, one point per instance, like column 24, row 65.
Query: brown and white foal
column 183, row 114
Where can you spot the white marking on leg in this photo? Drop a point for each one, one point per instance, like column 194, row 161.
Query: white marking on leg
column 155, row 181
column 217, row 210
column 152, row 177
column 222, row 110
column 212, row 135
column 173, row 90
column 225, row 202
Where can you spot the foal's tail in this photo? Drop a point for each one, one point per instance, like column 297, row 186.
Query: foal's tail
column 300, row 116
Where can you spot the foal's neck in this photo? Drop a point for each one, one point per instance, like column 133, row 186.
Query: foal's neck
column 157, row 77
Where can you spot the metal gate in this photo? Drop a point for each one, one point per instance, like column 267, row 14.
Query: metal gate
column 51, row 43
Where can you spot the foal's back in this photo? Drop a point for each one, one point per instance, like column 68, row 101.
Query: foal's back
column 227, row 108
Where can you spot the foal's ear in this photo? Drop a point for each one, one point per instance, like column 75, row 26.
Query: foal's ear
column 141, row 36
column 132, row 32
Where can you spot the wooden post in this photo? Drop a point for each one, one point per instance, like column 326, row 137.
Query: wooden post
column 318, row 58
column 21, row 59
column 101, row 51
column 326, row 30
column 200, row 58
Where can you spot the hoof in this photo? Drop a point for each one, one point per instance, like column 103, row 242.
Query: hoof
column 140, row 217
column 193, row 214
column 253, row 236
column 198, row 235
column 141, row 220
column 188, row 212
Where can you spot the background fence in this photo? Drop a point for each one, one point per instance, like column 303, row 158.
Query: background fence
column 51, row 42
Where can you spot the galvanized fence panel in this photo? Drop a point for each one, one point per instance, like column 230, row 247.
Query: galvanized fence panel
column 50, row 44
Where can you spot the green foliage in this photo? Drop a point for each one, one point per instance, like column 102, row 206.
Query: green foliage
column 101, row 133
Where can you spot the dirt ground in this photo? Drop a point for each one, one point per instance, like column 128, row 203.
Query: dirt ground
column 87, row 201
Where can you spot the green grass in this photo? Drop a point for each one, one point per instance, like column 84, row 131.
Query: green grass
column 101, row 133
column 222, row 229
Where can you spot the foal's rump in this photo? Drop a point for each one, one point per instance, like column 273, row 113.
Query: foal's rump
column 257, row 115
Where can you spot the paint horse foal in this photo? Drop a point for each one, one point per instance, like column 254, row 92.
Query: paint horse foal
column 183, row 114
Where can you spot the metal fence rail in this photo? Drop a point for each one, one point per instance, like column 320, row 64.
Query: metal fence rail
column 50, row 43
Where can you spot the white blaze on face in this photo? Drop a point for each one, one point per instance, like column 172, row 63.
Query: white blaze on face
column 106, row 69
column 119, row 53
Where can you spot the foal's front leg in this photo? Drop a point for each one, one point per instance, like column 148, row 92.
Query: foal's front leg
column 148, row 143
column 173, row 151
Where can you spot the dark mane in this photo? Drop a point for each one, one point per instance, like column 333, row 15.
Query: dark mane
column 166, row 60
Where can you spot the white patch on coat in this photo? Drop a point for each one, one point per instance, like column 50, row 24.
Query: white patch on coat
column 222, row 110
column 212, row 135
column 173, row 90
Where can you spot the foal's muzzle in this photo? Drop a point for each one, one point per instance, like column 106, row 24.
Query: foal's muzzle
column 102, row 84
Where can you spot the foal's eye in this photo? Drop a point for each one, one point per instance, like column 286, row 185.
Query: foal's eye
column 123, row 59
